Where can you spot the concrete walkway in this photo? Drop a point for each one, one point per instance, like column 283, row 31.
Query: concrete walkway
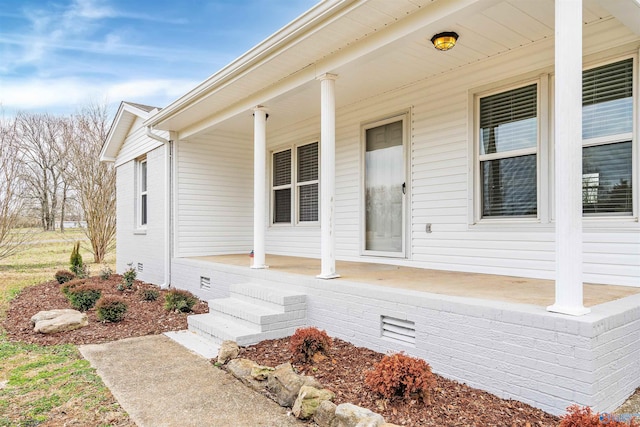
column 160, row 383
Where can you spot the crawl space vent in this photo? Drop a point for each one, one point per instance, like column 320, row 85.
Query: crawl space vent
column 398, row 330
column 140, row 267
column 205, row 282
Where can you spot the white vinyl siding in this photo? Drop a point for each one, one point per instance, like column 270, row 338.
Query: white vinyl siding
column 137, row 143
column 146, row 248
column 214, row 195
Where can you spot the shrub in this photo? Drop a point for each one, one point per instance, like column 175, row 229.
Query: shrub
column 111, row 309
column 68, row 287
column 149, row 294
column 128, row 277
column 106, row 272
column 82, row 297
column 76, row 264
column 63, row 276
column 306, row 342
column 578, row 416
column 399, row 375
column 179, row 300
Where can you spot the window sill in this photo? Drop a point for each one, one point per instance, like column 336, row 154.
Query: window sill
column 510, row 224
column 140, row 232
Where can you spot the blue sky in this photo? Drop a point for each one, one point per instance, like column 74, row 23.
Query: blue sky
column 57, row 55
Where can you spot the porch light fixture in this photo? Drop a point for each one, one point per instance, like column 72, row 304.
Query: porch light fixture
column 444, row 41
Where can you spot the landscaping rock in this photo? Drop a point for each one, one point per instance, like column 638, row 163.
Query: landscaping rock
column 61, row 320
column 261, row 373
column 285, row 384
column 241, row 369
column 325, row 414
column 308, row 400
column 228, row 350
column 348, row 415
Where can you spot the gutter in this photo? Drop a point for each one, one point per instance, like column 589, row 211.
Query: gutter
column 168, row 194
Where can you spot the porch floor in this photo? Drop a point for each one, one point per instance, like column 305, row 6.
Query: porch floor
column 473, row 285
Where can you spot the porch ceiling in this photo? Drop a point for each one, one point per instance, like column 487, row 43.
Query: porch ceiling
column 470, row 285
column 373, row 51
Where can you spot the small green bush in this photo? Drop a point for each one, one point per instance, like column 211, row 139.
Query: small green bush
column 179, row 300
column 82, row 297
column 128, row 277
column 149, row 294
column 64, row 276
column 75, row 261
column 111, row 309
column 106, row 272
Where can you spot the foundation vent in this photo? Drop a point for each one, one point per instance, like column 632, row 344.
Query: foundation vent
column 205, row 282
column 403, row 331
column 140, row 267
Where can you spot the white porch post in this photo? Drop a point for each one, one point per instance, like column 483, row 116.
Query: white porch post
column 568, row 157
column 327, row 176
column 259, row 185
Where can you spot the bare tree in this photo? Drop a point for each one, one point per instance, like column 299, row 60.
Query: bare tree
column 41, row 138
column 94, row 182
column 11, row 201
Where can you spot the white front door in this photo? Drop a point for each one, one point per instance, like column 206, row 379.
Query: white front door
column 384, row 188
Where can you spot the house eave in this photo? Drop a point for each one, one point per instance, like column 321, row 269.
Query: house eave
column 119, row 130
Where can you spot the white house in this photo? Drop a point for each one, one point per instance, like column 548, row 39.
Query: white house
column 347, row 137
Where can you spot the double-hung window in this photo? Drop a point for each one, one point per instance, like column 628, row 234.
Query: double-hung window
column 142, row 193
column 607, row 132
column 507, row 153
column 295, row 185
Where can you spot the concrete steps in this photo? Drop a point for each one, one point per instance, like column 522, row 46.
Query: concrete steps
column 255, row 311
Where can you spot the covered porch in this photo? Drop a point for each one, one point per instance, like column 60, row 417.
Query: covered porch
column 510, row 289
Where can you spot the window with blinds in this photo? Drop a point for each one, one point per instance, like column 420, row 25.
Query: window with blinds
column 507, row 153
column 295, row 192
column 307, row 184
column 142, row 193
column 282, row 187
column 607, row 131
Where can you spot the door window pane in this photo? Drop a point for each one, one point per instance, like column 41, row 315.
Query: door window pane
column 384, row 179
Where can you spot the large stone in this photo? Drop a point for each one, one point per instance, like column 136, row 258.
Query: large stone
column 242, row 369
column 62, row 320
column 228, row 350
column 348, row 415
column 285, row 384
column 261, row 373
column 308, row 400
column 325, row 414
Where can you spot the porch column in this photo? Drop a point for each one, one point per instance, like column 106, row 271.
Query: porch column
column 259, row 184
column 568, row 157
column 327, row 176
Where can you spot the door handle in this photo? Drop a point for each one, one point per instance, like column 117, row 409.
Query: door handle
column 404, row 187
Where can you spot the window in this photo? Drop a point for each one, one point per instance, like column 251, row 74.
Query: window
column 507, row 153
column 142, row 193
column 301, row 204
column 607, row 129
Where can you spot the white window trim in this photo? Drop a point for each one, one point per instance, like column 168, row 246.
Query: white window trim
column 541, row 151
column 294, row 186
column 141, row 228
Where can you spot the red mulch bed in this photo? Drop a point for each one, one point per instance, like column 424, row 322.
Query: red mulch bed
column 453, row 404
column 142, row 317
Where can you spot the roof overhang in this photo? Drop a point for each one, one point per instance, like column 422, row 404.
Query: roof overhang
column 121, row 126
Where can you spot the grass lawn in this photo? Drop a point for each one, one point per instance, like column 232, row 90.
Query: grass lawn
column 49, row 385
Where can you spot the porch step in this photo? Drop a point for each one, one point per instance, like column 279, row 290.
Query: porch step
column 255, row 311
column 196, row 343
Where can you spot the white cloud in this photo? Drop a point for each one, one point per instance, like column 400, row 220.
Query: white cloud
column 66, row 95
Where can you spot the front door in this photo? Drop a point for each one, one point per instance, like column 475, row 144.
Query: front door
column 385, row 188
